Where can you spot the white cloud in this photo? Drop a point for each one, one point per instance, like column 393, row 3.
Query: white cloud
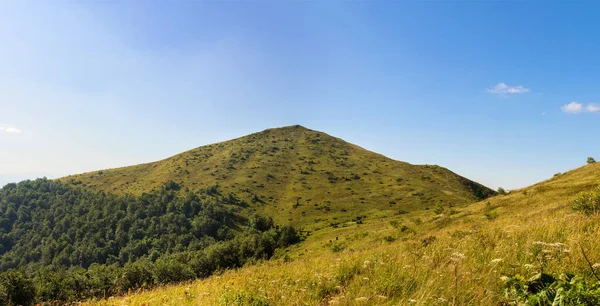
column 572, row 108
column 593, row 108
column 11, row 130
column 503, row 89
column 575, row 108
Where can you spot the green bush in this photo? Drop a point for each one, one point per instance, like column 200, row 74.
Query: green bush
column 169, row 270
column 16, row 289
column 545, row 289
column 136, row 275
column 491, row 215
column 588, row 203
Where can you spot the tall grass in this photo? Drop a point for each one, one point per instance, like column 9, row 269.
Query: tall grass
column 458, row 259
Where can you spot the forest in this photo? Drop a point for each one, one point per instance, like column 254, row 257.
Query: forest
column 62, row 242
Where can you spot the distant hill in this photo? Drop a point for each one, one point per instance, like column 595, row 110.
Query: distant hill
column 299, row 176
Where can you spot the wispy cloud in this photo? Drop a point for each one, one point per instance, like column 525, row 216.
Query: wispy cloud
column 593, row 108
column 11, row 130
column 576, row 108
column 503, row 89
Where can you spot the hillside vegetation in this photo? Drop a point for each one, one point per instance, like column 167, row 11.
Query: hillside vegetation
column 529, row 246
column 298, row 176
column 61, row 243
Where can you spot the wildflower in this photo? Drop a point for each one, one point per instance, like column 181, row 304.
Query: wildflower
column 496, row 260
column 504, row 278
column 412, row 301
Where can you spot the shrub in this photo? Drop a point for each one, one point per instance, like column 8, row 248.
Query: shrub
column 136, row 275
column 170, row 185
column 502, row 191
column 389, row 238
column 260, row 223
column 591, row 160
column 337, row 247
column 545, row 289
column 288, row 236
column 169, row 270
column 491, row 215
column 16, row 289
column 588, row 203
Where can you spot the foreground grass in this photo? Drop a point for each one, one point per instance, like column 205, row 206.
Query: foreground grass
column 452, row 258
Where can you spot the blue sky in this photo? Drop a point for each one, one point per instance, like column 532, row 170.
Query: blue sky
column 505, row 93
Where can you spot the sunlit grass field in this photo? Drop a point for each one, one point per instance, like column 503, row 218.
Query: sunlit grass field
column 442, row 256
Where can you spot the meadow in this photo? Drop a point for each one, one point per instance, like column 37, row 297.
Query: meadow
column 474, row 255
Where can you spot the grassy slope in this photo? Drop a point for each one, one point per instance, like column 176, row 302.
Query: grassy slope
column 371, row 270
column 330, row 179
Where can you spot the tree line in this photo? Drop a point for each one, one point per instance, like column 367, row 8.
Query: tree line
column 64, row 243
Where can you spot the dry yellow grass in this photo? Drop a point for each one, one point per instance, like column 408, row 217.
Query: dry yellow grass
column 382, row 265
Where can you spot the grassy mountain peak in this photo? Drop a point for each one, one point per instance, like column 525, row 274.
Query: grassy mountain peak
column 297, row 175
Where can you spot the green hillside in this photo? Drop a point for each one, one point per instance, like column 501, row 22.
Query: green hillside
column 488, row 253
column 297, row 176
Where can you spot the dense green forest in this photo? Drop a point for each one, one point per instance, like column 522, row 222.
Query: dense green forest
column 60, row 242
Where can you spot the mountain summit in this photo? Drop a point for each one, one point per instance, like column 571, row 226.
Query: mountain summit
column 297, row 175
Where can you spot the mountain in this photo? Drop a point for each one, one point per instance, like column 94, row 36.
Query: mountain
column 299, row 176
